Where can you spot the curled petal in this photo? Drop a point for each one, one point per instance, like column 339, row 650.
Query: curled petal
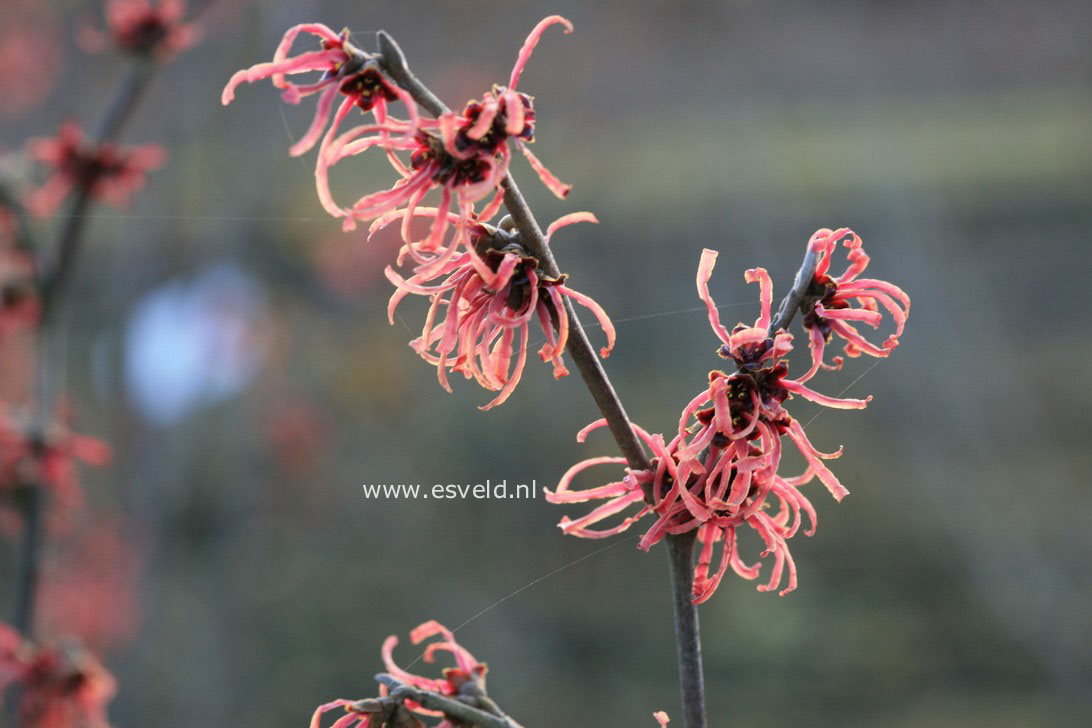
column 530, row 43
column 705, row 272
column 559, row 188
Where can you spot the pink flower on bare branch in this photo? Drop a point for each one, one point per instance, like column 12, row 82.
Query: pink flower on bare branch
column 143, row 27
column 489, row 297
column 719, row 472
column 106, row 172
column 59, row 687
column 345, row 71
column 463, row 155
column 830, row 304
column 465, row 681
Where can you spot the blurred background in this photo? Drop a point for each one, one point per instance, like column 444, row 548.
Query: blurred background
column 230, row 343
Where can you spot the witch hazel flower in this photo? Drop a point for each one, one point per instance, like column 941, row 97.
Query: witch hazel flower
column 465, row 156
column 464, row 682
column 829, row 306
column 489, row 298
column 58, row 687
column 105, row 172
column 345, row 72
column 720, row 471
column 700, row 505
column 747, row 403
column 142, row 27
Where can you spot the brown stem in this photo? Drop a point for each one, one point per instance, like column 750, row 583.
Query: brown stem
column 796, row 295
column 681, row 547
column 31, row 500
column 450, row 707
column 53, row 276
column 680, row 552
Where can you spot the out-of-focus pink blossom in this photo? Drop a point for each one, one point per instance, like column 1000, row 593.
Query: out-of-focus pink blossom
column 89, row 586
column 831, row 310
column 719, row 472
column 489, row 297
column 297, row 431
column 31, row 52
column 58, row 687
column 661, row 718
column 107, row 172
column 143, row 27
column 49, row 463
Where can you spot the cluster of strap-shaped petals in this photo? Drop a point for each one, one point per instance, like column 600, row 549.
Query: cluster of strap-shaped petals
column 719, row 472
column 57, row 688
column 466, row 680
column 463, row 155
column 106, row 172
column 489, row 297
column 834, row 313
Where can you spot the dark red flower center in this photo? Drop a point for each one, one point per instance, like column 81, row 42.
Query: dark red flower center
column 497, row 133
column 143, row 34
column 446, row 169
column 367, row 87
column 821, row 290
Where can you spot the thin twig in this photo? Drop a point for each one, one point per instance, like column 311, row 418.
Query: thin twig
column 680, row 547
column 450, row 707
column 31, row 501
column 680, row 553
column 796, row 295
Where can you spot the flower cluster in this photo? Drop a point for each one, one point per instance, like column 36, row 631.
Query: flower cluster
column 105, row 172
column 59, row 688
column 463, row 155
column 481, row 277
column 142, row 27
column 465, row 681
column 834, row 312
column 489, row 295
column 720, row 471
